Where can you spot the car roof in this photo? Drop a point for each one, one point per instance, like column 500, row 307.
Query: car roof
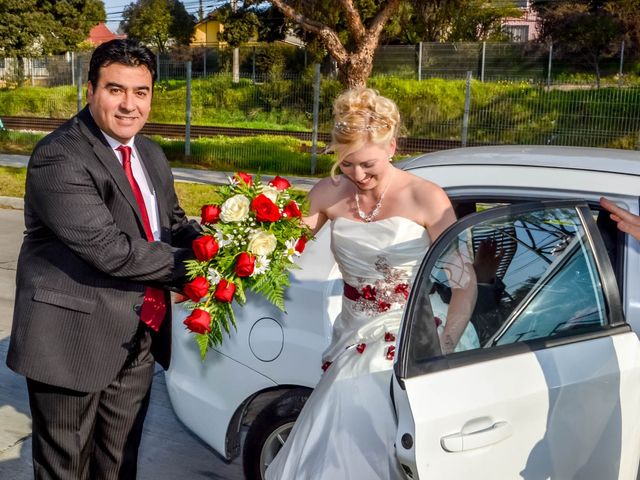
column 576, row 158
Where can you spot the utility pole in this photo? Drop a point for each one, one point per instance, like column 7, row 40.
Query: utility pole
column 236, row 50
column 200, row 12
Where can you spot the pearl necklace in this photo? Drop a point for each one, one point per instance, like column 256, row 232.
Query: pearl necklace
column 376, row 209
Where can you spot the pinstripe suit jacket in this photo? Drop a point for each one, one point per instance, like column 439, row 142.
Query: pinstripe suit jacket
column 84, row 261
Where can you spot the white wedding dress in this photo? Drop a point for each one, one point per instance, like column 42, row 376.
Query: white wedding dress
column 347, row 428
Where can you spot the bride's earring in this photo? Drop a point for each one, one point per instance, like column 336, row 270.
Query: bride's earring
column 391, row 158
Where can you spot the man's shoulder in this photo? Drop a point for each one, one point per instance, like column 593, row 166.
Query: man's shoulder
column 145, row 142
column 68, row 133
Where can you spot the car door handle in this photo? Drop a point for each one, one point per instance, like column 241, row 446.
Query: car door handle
column 459, row 442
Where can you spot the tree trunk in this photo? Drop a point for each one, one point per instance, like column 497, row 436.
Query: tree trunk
column 354, row 66
column 356, row 70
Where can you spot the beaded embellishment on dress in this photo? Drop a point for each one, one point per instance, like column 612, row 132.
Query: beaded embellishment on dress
column 392, row 290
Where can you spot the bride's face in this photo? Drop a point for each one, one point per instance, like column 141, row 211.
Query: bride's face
column 368, row 167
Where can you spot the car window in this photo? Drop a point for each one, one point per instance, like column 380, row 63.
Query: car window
column 613, row 239
column 512, row 278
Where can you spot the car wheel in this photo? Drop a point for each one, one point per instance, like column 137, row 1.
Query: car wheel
column 269, row 431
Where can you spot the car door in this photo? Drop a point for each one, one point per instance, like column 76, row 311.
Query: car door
column 514, row 359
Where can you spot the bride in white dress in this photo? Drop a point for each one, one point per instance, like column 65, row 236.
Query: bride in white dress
column 382, row 223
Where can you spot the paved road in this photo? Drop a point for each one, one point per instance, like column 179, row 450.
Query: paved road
column 168, row 450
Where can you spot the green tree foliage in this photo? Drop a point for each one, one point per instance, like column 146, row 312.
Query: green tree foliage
column 450, row 21
column 481, row 20
column 627, row 12
column 588, row 30
column 159, row 23
column 273, row 24
column 40, row 27
column 240, row 25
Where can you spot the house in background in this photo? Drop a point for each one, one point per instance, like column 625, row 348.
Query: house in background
column 101, row 34
column 207, row 34
column 526, row 27
column 52, row 69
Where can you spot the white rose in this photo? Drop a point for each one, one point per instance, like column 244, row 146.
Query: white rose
column 270, row 192
column 262, row 243
column 234, row 209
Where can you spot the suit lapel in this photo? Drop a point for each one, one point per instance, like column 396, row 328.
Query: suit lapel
column 107, row 157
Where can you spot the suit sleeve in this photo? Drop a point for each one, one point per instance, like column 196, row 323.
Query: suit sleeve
column 62, row 193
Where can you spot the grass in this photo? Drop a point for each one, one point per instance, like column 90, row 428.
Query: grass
column 258, row 154
column 502, row 112
column 19, row 143
column 193, row 195
column 190, row 195
column 12, row 181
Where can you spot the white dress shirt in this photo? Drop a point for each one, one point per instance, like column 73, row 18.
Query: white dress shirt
column 144, row 182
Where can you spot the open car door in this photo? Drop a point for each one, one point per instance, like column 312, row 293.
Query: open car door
column 518, row 368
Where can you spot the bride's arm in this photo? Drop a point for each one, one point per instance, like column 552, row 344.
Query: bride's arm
column 317, row 204
column 439, row 217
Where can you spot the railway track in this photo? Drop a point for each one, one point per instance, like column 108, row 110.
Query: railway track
column 405, row 144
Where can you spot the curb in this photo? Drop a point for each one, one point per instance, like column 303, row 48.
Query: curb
column 14, row 203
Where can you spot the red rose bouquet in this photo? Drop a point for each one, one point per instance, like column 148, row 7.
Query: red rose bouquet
column 249, row 242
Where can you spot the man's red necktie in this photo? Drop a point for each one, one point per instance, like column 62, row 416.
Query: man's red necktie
column 154, row 306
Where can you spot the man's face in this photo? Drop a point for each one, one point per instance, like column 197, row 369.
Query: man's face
column 121, row 101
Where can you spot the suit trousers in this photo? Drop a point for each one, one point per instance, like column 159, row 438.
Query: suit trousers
column 95, row 435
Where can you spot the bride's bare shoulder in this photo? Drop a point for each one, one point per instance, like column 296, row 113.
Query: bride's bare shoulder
column 328, row 189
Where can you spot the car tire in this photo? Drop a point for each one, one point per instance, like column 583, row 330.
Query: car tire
column 269, row 431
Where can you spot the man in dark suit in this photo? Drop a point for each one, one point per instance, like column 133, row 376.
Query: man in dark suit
column 105, row 235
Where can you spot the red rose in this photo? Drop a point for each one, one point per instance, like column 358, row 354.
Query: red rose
column 300, row 244
column 391, row 352
column 291, row 210
column 245, row 264
column 438, row 321
column 199, row 321
column 210, row 213
column 205, row 248
column 245, row 177
column 402, row 288
column 389, row 337
column 196, row 288
column 383, row 306
column 265, row 209
column 360, row 347
column 369, row 292
column 224, row 291
column 280, row 183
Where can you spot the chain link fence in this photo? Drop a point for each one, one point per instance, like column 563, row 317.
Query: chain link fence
column 451, row 105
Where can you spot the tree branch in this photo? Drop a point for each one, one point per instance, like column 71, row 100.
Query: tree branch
column 382, row 17
column 354, row 22
column 306, row 23
column 328, row 36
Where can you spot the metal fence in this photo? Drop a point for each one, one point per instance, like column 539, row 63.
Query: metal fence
column 437, row 113
column 518, row 61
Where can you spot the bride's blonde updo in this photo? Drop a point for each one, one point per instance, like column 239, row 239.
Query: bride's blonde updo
column 362, row 115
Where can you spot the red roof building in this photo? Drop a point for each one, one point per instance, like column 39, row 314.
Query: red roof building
column 100, row 34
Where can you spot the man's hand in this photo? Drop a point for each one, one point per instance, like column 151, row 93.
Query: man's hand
column 179, row 297
column 487, row 260
column 627, row 221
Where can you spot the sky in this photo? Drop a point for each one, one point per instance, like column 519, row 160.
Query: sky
column 114, row 9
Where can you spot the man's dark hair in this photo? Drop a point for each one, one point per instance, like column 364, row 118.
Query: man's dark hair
column 125, row 51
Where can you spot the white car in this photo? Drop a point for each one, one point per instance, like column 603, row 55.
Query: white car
column 554, row 389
